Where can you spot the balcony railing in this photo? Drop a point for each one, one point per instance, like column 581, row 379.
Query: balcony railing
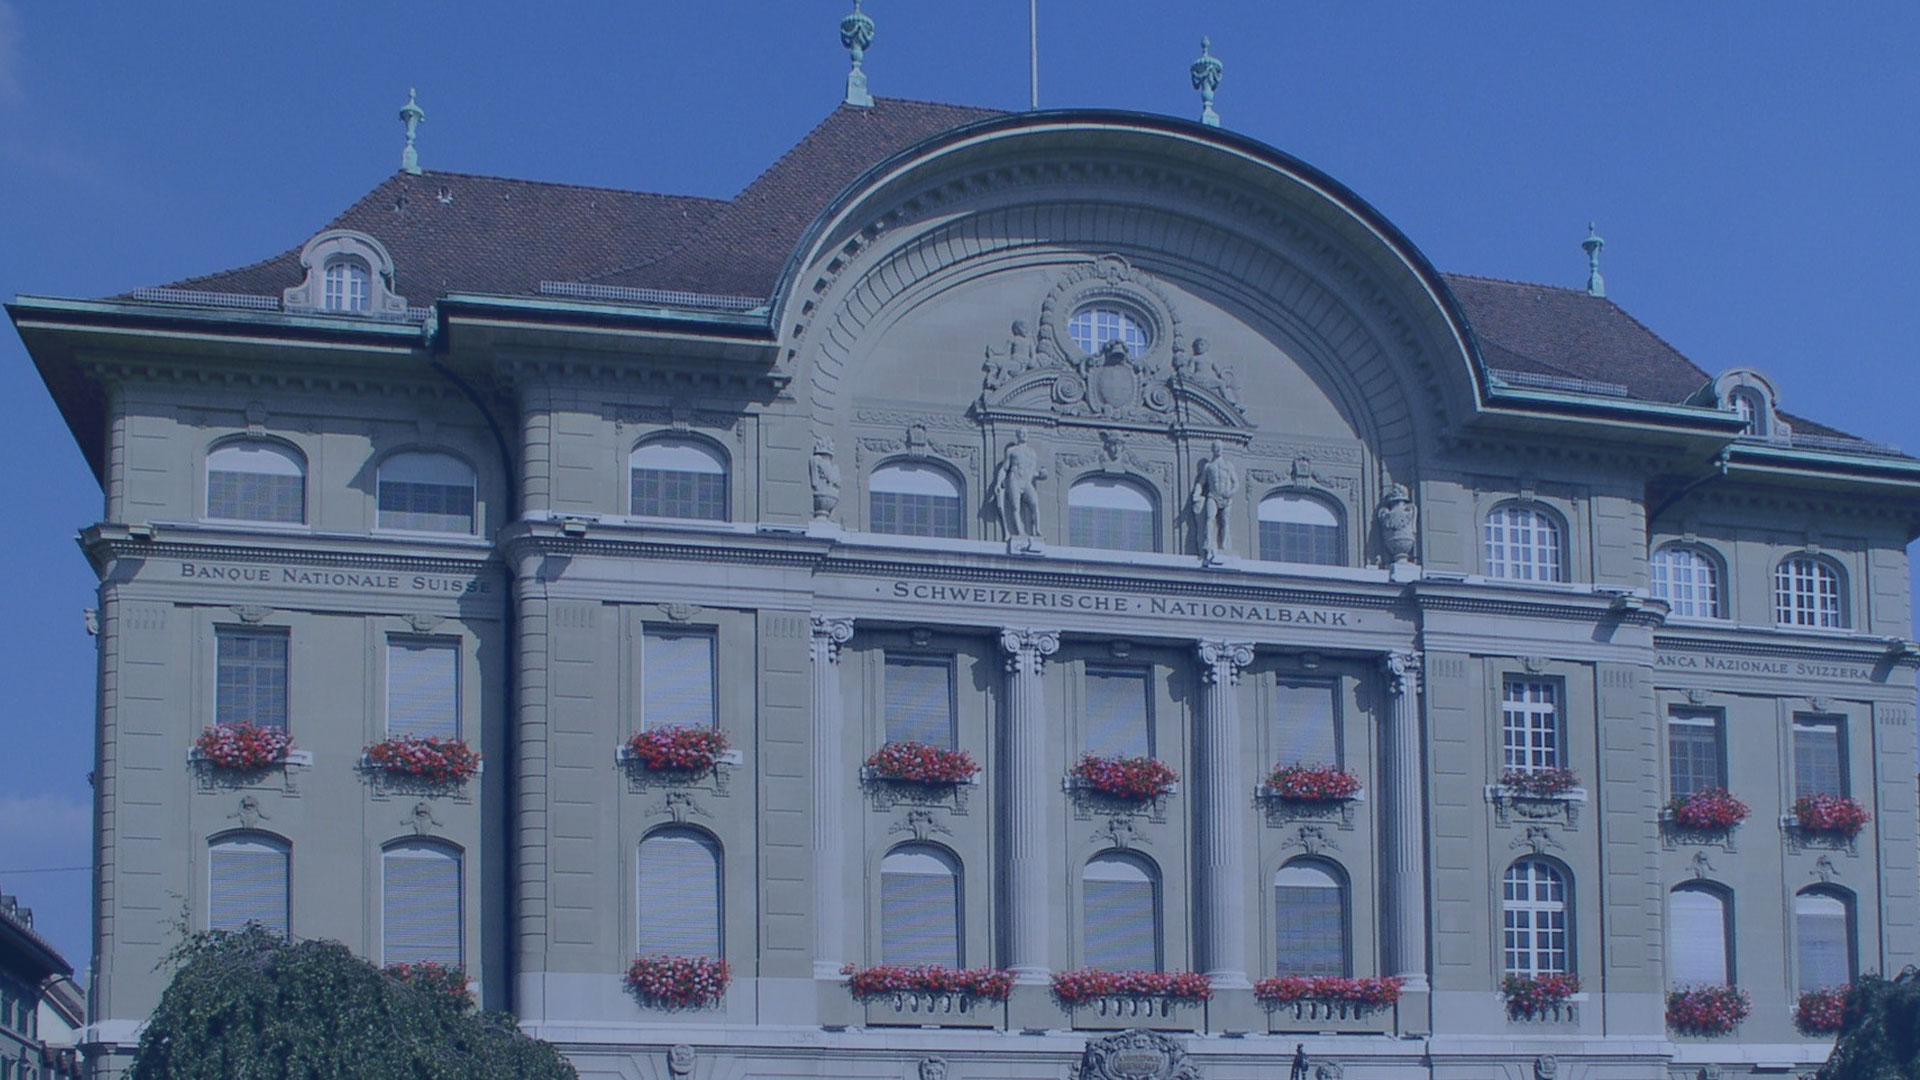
column 1336, row 1017
column 923, row 1008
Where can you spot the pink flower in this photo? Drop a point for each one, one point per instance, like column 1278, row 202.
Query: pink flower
column 1080, row 987
column 1713, row 809
column 679, row 982
column 1539, row 783
column 1820, row 1012
column 680, row 749
column 985, row 984
column 918, row 763
column 1707, row 1010
column 243, row 747
column 441, row 761
column 1135, row 779
column 1830, row 813
column 1313, row 783
column 450, row 979
column 1368, row 993
column 1528, row 995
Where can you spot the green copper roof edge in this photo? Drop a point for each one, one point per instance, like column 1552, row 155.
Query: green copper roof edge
column 1712, row 421
column 1790, row 459
column 107, row 310
column 755, row 319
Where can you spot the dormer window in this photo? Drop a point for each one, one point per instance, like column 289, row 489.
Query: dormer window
column 347, row 285
column 1750, row 396
column 1751, row 409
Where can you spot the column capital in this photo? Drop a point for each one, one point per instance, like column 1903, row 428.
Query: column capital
column 1403, row 671
column 1222, row 660
column 829, row 633
column 1028, row 649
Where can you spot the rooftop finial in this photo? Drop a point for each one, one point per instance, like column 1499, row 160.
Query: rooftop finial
column 856, row 33
column 411, row 114
column 1206, row 79
column 1596, row 285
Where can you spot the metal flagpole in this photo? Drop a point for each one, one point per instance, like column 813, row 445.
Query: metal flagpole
column 1033, row 47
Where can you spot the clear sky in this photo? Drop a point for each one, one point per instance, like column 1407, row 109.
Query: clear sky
column 1751, row 166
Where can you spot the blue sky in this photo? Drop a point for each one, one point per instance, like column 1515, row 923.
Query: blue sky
column 1751, row 166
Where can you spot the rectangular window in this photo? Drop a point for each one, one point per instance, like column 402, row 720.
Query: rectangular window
column 250, row 685
column 919, row 700
column 1696, row 754
column 424, row 507
column 1819, row 755
column 676, row 675
column 423, row 688
column 1530, row 725
column 1306, row 723
column 1119, row 712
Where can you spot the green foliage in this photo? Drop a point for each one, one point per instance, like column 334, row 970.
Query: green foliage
column 1880, row 1033
column 250, row 1004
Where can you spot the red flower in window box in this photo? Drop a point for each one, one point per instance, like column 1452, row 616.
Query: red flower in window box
column 1529, row 995
column 677, row 749
column 442, row 761
column 1312, row 783
column 1713, row 809
column 984, row 984
column 918, row 763
column 243, row 747
column 679, row 982
column 1830, row 813
column 1080, row 987
column 1707, row 1010
column 1134, row 779
column 448, row 979
column 1820, row 1012
column 1367, row 993
column 1539, row 783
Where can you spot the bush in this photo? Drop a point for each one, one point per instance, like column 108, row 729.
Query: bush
column 1879, row 1031
column 253, row 1004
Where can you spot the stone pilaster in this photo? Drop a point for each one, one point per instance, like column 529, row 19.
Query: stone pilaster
column 829, row 795
column 1030, row 883
column 1219, row 829
column 1404, row 921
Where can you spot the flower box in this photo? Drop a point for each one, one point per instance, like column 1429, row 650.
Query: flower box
column 1707, row 1010
column 448, row 979
column 984, row 984
column 433, row 759
column 678, row 982
column 1820, row 1012
column 1359, row 996
column 1532, row 996
column 242, row 747
column 1135, row 779
column 1539, row 783
column 1830, row 814
column 918, row 763
column 1710, row 810
column 1087, row 986
column 690, row 750
column 1311, row 784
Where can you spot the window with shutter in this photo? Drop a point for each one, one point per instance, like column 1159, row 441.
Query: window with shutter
column 1310, row 920
column 915, row 499
column 920, row 907
column 250, row 679
column 1698, row 932
column 1108, row 512
column 1819, row 755
column 420, row 905
column 1119, row 712
column 679, row 894
column 1695, row 754
column 1120, row 897
column 1301, row 529
column 1823, row 931
column 919, row 700
column 423, row 688
column 423, row 492
column 255, row 481
column 676, row 677
column 1306, row 723
column 679, row 478
column 247, row 878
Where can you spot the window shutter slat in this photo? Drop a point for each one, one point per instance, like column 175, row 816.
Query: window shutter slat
column 423, row 679
column 920, row 700
column 919, row 919
column 421, row 905
column 677, row 680
column 1118, row 717
column 247, row 883
column 679, row 895
column 1304, row 724
column 1697, row 930
column 1120, row 926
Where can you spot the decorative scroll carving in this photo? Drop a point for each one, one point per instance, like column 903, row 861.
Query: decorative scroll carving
column 422, row 622
column 1311, row 839
column 252, row 614
column 680, row 1058
column 1539, row 839
column 921, row 823
column 1027, row 650
column 829, row 633
column 1136, row 1055
column 1224, row 659
column 678, row 612
column 250, row 815
column 1403, row 673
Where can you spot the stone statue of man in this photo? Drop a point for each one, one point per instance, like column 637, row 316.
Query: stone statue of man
column 1213, row 494
column 1012, row 491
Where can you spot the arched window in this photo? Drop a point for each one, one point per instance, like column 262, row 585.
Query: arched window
column 1523, row 544
column 1109, row 512
column 1688, row 579
column 679, row 908
column 1301, row 529
column 1751, row 408
column 425, row 492
column 1806, row 592
column 1535, row 911
column 348, row 285
column 1310, row 919
column 679, row 478
column 1093, row 326
column 1120, row 895
column 1823, row 933
column 421, row 913
column 247, row 882
column 1699, row 933
column 920, row 907
column 910, row 498
column 256, row 481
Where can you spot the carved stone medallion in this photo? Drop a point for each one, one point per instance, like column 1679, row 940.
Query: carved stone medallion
column 1136, row 1055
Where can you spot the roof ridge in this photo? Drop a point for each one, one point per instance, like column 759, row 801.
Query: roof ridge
column 943, row 104
column 568, row 186
column 1513, row 281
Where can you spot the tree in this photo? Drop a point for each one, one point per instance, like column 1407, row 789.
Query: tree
column 252, row 1005
column 1880, row 1031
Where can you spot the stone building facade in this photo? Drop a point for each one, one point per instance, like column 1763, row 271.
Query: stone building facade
column 1032, row 436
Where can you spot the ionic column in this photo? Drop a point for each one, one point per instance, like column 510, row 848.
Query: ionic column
column 829, row 792
column 1404, row 815
column 1028, row 881
column 1218, row 831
